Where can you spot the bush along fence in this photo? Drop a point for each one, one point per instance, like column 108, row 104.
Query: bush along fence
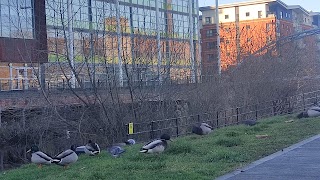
column 183, row 125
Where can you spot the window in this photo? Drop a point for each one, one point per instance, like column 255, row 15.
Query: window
column 208, row 20
column 248, row 27
column 211, row 57
column 269, row 39
column 226, row 16
column 286, row 15
column 268, row 27
column 247, row 14
column 211, row 45
column 281, row 14
column 210, row 32
column 227, row 41
column 259, row 14
column 228, row 53
column 16, row 19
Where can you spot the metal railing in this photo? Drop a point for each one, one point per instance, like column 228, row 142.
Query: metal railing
column 180, row 126
column 57, row 76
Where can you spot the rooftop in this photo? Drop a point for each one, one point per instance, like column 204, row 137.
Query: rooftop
column 246, row 3
column 298, row 7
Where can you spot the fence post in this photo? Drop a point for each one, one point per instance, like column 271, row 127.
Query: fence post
column 237, row 115
column 177, row 127
column 127, row 129
column 303, row 102
column 152, row 128
column 256, row 107
column 198, row 117
column 217, row 119
column 225, row 118
column 11, row 76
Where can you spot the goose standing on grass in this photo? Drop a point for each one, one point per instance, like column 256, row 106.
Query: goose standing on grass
column 313, row 111
column 202, row 129
column 66, row 157
column 92, row 148
column 156, row 146
column 39, row 157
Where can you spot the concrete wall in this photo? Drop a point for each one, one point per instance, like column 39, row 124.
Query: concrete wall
column 253, row 10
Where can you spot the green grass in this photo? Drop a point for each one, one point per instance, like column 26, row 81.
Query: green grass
column 190, row 157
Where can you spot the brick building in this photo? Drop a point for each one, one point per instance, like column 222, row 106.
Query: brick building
column 246, row 27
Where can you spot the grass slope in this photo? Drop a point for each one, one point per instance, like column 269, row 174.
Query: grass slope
column 190, row 157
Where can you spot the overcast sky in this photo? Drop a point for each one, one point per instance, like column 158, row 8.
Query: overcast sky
column 313, row 5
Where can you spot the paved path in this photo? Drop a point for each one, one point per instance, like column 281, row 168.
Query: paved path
column 297, row 162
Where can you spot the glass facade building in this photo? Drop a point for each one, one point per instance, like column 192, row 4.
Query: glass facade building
column 159, row 36
column 16, row 19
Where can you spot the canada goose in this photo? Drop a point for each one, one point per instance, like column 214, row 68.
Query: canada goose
column 156, row 146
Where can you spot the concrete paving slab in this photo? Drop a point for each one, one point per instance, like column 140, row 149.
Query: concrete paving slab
column 299, row 161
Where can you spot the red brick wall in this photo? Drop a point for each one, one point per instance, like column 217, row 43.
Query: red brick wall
column 253, row 36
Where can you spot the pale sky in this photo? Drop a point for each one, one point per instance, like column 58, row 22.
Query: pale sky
column 313, row 5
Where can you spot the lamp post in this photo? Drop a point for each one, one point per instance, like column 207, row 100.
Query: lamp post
column 218, row 37
column 70, row 45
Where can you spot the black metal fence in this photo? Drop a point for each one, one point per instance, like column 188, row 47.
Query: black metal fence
column 182, row 125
